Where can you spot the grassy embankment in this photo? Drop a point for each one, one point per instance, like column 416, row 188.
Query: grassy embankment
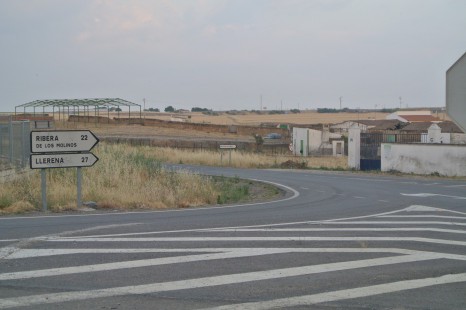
column 125, row 178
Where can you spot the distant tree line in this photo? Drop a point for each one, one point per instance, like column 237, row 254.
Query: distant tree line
column 347, row 110
column 197, row 109
column 152, row 110
column 206, row 111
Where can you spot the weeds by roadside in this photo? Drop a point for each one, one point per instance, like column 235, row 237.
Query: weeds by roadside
column 126, row 177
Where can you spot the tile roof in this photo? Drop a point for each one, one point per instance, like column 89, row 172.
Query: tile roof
column 419, row 118
column 446, row 126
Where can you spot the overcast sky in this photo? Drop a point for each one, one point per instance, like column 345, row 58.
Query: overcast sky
column 225, row 54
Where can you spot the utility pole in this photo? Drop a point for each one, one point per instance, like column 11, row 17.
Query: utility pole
column 261, row 103
column 144, row 101
column 400, row 101
column 340, row 102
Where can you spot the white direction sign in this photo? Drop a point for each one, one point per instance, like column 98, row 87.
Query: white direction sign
column 227, row 146
column 43, row 161
column 62, row 141
column 456, row 92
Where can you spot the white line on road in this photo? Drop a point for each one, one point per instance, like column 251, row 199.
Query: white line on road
column 288, row 239
column 250, row 226
column 132, row 264
column 27, row 253
column 424, row 216
column 394, row 223
column 453, row 231
column 25, row 301
column 414, row 208
column 359, row 292
column 425, row 195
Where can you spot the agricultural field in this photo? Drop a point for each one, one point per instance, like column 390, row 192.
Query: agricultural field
column 219, row 118
column 252, row 119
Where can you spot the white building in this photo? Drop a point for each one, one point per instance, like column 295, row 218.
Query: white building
column 316, row 142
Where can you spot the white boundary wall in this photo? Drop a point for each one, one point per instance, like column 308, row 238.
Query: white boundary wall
column 447, row 160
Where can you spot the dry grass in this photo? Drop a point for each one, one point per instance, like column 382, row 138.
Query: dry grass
column 128, row 177
column 242, row 159
column 124, row 178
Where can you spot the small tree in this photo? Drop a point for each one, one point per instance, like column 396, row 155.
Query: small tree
column 259, row 141
column 169, row 109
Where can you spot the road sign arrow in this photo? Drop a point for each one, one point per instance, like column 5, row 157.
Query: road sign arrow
column 65, row 160
column 62, row 141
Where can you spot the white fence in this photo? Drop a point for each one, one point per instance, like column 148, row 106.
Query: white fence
column 442, row 159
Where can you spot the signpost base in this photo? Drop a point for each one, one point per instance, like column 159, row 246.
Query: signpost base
column 78, row 182
column 43, row 181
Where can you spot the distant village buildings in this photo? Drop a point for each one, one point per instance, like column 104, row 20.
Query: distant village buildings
column 330, row 139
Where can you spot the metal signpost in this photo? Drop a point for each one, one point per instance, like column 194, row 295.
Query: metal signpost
column 62, row 149
column 228, row 147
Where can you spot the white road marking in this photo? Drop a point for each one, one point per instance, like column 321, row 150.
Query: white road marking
column 459, row 185
column 359, row 197
column 380, row 200
column 395, row 223
column 425, row 195
column 227, row 253
column 289, row 239
column 359, row 292
column 371, row 180
column 453, row 231
column 27, row 253
column 424, row 216
column 417, row 208
column 132, row 264
column 25, row 301
column 409, row 209
column 250, row 226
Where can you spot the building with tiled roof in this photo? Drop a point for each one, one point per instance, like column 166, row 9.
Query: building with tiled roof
column 414, row 116
column 445, row 126
column 368, row 125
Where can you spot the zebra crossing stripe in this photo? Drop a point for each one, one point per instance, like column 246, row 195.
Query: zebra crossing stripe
column 366, row 291
column 186, row 284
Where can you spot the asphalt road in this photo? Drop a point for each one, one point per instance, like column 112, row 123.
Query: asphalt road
column 334, row 241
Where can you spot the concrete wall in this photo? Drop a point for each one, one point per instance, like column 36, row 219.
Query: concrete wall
column 354, row 148
column 300, row 136
column 315, row 140
column 458, row 138
column 448, row 160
